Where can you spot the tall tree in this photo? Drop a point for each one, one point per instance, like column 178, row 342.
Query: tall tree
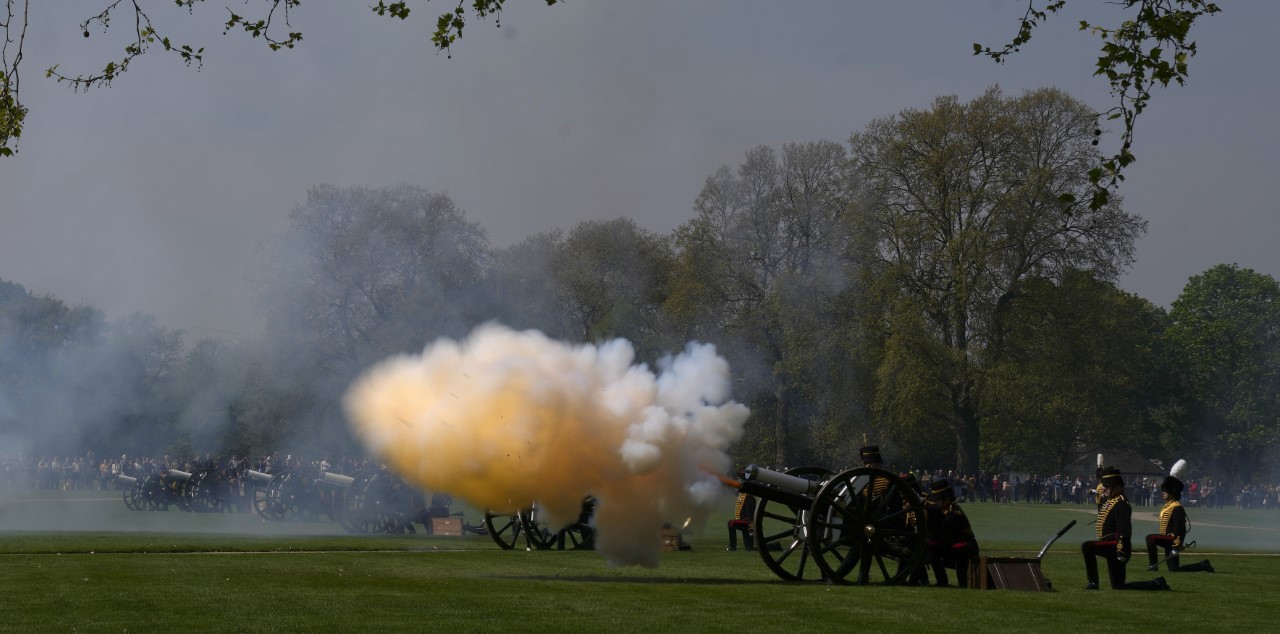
column 762, row 256
column 1226, row 326
column 1078, row 357
column 359, row 275
column 364, row 273
column 965, row 201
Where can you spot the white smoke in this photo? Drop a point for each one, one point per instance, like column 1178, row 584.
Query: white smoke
column 505, row 419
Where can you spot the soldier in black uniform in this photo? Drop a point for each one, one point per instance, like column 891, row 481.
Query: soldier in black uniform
column 949, row 537
column 1115, row 538
column 1173, row 527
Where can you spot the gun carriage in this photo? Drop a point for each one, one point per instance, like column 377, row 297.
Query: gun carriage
column 368, row 502
column 508, row 531
column 863, row 525
column 377, row 502
column 203, row 491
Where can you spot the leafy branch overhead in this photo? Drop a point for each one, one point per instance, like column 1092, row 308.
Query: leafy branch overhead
column 1147, row 50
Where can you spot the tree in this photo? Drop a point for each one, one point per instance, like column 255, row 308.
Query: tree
column 1150, row 49
column 1226, row 327
column 365, row 273
column 760, row 269
column 1073, row 375
column 965, row 203
column 1133, row 58
column 361, row 274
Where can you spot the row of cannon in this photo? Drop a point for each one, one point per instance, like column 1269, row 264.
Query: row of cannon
column 369, row 502
column 861, row 526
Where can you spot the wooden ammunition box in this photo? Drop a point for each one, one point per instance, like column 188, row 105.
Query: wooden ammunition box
column 446, row 526
column 671, row 540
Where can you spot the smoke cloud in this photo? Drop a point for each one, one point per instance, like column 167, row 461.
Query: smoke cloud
column 506, row 418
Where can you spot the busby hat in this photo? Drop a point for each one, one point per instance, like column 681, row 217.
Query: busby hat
column 1111, row 477
column 870, row 454
column 941, row 489
column 1172, row 485
column 910, row 479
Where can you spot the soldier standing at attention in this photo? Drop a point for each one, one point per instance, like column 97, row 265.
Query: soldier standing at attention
column 1115, row 538
column 871, row 458
column 1173, row 526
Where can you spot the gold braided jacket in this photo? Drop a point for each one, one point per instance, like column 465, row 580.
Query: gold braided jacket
column 1166, row 514
column 1102, row 520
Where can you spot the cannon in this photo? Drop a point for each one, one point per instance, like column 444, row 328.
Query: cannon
column 289, row 495
column 377, row 502
column 525, row 526
column 863, row 525
column 205, row 490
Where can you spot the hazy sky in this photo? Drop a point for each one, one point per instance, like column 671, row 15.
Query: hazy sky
column 152, row 195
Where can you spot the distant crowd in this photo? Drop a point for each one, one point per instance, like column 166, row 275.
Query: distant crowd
column 1062, row 489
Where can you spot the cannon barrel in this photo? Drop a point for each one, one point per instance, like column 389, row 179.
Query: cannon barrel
column 176, row 473
column 775, row 486
column 126, row 479
column 258, row 476
column 336, row 479
column 801, row 486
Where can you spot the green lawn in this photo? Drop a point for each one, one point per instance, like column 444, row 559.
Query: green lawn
column 72, row 563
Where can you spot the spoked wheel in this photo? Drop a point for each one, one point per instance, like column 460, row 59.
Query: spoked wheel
column 781, row 531
column 369, row 506
column 866, row 526
column 206, row 492
column 284, row 497
column 150, row 493
column 577, row 536
column 130, row 493
column 510, row 531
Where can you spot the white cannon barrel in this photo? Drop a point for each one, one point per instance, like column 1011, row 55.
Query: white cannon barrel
column 258, row 476
column 127, row 479
column 781, row 480
column 338, row 479
column 181, row 475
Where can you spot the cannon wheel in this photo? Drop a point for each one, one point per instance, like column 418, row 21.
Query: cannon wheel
column 508, row 530
column 206, row 492
column 129, row 494
column 282, row 499
column 860, row 525
column 781, row 530
column 149, row 493
column 368, row 505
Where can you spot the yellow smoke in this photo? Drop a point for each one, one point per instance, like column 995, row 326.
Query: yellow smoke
column 505, row 419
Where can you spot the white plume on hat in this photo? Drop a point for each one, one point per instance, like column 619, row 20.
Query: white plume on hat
column 1100, row 463
column 1178, row 468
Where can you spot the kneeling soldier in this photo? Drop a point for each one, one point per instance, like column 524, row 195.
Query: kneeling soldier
column 949, row 537
column 1173, row 527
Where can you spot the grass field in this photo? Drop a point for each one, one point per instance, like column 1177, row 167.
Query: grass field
column 81, row 562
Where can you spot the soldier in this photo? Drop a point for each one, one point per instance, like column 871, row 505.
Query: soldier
column 871, row 458
column 1115, row 538
column 744, row 509
column 1173, row 526
column 949, row 536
